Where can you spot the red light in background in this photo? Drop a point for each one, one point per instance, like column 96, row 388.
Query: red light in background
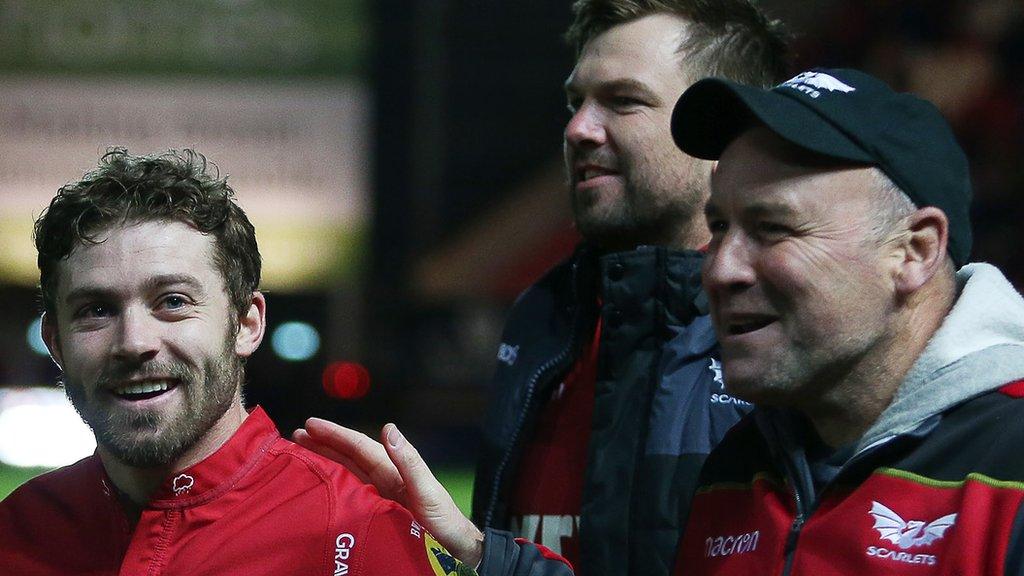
column 346, row 380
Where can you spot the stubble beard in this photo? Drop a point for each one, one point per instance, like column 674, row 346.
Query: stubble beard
column 645, row 214
column 152, row 438
column 807, row 376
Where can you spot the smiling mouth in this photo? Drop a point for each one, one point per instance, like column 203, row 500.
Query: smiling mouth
column 144, row 390
column 739, row 328
column 591, row 172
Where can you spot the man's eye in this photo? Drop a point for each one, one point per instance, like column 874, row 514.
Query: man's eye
column 174, row 302
column 625, row 102
column 717, row 226
column 773, row 228
column 95, row 311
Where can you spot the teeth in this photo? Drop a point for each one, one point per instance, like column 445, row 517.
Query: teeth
column 143, row 388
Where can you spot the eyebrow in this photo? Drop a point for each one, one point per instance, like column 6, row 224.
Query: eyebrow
column 625, row 84
column 762, row 208
column 153, row 283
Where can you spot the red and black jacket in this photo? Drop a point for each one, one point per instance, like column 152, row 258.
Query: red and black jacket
column 944, row 498
column 659, row 404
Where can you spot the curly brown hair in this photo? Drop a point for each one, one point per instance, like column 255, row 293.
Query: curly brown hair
column 733, row 39
column 172, row 186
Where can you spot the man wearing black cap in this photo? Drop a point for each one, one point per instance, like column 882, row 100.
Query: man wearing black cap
column 888, row 384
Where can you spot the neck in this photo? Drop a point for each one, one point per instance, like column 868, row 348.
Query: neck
column 842, row 424
column 136, row 485
column 858, row 398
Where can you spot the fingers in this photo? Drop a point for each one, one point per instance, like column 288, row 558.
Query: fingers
column 302, row 438
column 430, row 502
column 420, row 481
column 357, row 451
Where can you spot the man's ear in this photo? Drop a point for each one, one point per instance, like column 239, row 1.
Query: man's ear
column 50, row 337
column 923, row 246
column 251, row 326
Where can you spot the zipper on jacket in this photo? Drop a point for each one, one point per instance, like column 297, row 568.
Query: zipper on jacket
column 500, row 471
column 803, row 510
column 791, row 538
column 794, row 531
column 802, row 515
column 528, row 404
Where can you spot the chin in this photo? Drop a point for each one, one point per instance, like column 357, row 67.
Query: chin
column 748, row 385
column 743, row 392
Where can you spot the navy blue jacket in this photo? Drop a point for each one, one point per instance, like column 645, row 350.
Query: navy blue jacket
column 659, row 404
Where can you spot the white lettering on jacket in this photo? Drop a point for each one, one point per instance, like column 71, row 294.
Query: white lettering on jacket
column 717, row 546
column 546, row 530
column 905, row 557
column 343, row 546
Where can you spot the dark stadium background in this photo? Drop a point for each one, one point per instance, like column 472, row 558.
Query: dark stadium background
column 456, row 110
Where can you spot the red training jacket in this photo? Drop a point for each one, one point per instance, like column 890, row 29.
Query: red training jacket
column 258, row 505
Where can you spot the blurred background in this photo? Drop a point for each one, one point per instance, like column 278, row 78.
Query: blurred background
column 401, row 161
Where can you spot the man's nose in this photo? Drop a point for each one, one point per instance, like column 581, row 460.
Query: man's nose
column 586, row 127
column 138, row 337
column 729, row 263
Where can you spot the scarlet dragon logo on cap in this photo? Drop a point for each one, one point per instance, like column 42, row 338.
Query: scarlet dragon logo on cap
column 811, row 83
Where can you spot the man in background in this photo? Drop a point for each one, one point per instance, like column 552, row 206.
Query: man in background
column 599, row 422
column 608, row 391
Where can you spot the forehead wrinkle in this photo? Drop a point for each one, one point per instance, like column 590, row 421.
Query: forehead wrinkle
column 150, row 284
column 770, row 208
column 106, row 261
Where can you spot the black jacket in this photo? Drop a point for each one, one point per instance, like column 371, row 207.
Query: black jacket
column 659, row 404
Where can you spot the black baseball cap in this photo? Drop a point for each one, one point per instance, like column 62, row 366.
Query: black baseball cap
column 844, row 114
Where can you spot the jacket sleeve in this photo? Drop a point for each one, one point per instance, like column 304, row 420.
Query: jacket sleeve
column 395, row 544
column 505, row 555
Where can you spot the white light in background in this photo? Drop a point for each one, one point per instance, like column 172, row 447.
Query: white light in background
column 40, row 428
column 295, row 341
column 35, row 338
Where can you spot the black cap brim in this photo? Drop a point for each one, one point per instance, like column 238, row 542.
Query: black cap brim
column 713, row 112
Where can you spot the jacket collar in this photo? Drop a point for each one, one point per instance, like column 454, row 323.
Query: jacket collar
column 220, row 471
column 671, row 276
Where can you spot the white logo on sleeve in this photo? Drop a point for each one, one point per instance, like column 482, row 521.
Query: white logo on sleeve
column 812, row 83
column 906, row 534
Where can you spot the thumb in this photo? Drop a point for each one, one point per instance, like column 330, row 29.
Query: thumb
column 430, row 501
column 421, row 487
